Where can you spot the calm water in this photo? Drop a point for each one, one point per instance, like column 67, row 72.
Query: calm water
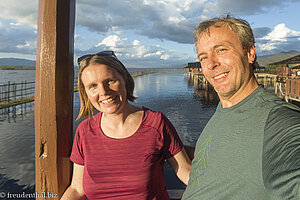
column 171, row 94
column 29, row 75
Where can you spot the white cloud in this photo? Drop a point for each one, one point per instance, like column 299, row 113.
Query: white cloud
column 17, row 39
column 20, row 11
column 165, row 57
column 136, row 42
column 245, row 7
column 27, row 44
column 175, row 20
column 15, row 24
column 157, row 53
column 112, row 42
column 281, row 33
column 135, row 53
column 266, row 47
column 279, row 39
column 166, row 20
column 116, row 30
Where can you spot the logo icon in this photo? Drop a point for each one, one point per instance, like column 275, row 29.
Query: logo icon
column 2, row 194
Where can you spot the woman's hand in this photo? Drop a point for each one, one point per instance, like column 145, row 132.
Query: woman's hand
column 181, row 165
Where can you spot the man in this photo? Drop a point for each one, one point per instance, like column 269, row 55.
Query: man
column 250, row 148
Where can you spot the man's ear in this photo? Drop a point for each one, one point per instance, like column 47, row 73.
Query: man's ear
column 251, row 54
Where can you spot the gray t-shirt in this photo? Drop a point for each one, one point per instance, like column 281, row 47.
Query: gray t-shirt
column 250, row 151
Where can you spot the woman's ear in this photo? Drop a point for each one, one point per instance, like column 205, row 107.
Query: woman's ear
column 251, row 54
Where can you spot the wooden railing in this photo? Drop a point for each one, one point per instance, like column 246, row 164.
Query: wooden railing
column 292, row 89
column 16, row 93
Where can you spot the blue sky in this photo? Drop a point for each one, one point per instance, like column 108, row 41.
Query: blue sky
column 151, row 33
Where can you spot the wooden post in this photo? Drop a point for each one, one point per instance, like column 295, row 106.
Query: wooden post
column 54, row 97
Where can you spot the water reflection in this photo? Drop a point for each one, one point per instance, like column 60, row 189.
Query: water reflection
column 12, row 186
column 207, row 96
column 17, row 154
column 11, row 114
column 176, row 99
column 203, row 90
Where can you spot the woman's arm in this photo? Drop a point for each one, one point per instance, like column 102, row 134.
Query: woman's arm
column 190, row 151
column 181, row 165
column 75, row 190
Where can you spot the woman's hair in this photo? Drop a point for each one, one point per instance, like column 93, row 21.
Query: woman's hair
column 86, row 107
column 239, row 26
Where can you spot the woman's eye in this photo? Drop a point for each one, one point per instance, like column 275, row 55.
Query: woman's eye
column 111, row 81
column 93, row 86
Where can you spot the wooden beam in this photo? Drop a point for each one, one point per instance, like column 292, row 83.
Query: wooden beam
column 54, row 96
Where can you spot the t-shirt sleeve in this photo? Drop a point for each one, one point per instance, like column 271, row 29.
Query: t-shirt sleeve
column 281, row 153
column 77, row 155
column 172, row 142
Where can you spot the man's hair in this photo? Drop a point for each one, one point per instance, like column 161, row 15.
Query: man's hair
column 239, row 26
column 86, row 107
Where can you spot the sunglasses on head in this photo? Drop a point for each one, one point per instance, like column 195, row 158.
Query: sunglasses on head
column 102, row 53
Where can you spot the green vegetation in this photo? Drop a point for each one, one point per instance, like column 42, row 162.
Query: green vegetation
column 276, row 57
column 271, row 68
column 16, row 68
column 16, row 102
column 141, row 73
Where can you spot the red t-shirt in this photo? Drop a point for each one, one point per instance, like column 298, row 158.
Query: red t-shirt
column 129, row 168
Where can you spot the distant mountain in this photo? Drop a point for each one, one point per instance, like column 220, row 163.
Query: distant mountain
column 16, row 62
column 265, row 60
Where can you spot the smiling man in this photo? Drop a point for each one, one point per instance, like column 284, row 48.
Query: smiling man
column 250, row 148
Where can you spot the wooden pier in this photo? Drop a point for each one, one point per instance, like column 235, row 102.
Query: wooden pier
column 287, row 88
column 266, row 79
column 292, row 89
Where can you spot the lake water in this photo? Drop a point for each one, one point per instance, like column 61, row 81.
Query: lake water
column 170, row 93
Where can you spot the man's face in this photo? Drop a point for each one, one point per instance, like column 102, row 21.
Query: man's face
column 224, row 62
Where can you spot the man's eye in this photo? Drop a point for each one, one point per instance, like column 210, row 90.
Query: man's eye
column 221, row 50
column 201, row 59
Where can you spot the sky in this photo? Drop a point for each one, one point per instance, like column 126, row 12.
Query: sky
column 151, row 33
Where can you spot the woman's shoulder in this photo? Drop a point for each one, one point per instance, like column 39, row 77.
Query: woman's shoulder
column 90, row 123
column 151, row 114
column 155, row 119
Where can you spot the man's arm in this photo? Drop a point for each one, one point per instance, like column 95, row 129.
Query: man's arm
column 281, row 153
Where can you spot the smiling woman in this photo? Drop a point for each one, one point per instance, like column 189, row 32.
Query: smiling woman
column 119, row 153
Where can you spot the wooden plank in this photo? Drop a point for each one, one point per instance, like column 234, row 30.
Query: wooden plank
column 54, row 96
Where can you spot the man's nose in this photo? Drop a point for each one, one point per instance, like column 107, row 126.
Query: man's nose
column 212, row 62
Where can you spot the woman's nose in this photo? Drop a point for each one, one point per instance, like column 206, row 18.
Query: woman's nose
column 102, row 89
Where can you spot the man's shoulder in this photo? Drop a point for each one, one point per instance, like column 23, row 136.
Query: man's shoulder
column 267, row 99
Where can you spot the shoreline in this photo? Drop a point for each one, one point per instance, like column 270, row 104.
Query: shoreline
column 16, row 68
column 23, row 100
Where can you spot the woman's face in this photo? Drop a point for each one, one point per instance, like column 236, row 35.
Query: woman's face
column 105, row 88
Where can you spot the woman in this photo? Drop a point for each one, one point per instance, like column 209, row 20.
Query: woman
column 119, row 153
